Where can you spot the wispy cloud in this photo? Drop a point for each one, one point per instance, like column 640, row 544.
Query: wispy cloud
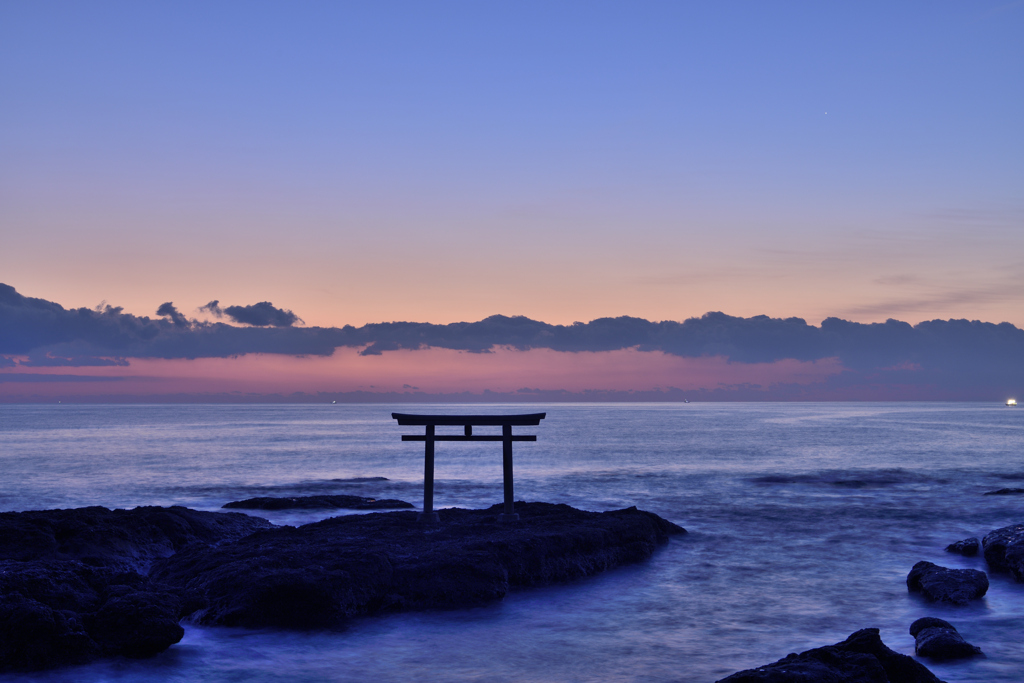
column 1004, row 283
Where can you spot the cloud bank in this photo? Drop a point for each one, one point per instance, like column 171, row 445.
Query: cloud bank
column 950, row 354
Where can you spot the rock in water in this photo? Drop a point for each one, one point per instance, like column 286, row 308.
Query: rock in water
column 967, row 547
column 127, row 539
column 322, row 574
column 1004, row 550
column 861, row 658
column 941, row 584
column 938, row 639
column 65, row 612
column 72, row 583
column 319, row 503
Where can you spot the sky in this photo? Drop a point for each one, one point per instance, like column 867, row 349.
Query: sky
column 361, row 163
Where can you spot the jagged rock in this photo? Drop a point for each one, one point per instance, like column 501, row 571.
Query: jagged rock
column 318, row 503
column 136, row 623
column 324, row 573
column 73, row 584
column 1004, row 550
column 128, row 539
column 861, row 658
column 35, row 636
column 941, row 584
column 65, row 612
column 939, row 639
column 1004, row 492
column 967, row 547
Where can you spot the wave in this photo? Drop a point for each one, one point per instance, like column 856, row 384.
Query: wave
column 853, row 479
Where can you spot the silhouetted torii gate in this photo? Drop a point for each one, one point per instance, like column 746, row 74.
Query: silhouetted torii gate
column 506, row 422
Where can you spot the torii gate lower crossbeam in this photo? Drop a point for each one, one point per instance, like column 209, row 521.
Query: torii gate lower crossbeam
column 506, row 422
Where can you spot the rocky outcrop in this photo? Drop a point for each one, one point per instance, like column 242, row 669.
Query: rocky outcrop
column 325, row 573
column 938, row 639
column 66, row 612
column 73, row 584
column 80, row 584
column 861, row 658
column 941, row 584
column 1004, row 550
column 319, row 503
column 967, row 547
column 124, row 539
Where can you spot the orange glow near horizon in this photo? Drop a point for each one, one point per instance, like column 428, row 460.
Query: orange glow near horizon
column 430, row 371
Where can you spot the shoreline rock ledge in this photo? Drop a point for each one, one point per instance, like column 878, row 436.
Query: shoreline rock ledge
column 325, row 573
column 73, row 584
column 861, row 658
column 77, row 585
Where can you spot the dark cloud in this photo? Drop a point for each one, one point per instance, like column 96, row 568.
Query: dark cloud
column 168, row 311
column 951, row 355
column 213, row 308
column 46, row 329
column 263, row 314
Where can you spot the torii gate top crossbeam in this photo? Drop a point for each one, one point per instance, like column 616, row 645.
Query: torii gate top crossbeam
column 506, row 422
column 469, row 420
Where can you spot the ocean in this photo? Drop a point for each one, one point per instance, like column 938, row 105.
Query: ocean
column 803, row 520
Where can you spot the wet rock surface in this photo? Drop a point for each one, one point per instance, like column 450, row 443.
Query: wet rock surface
column 967, row 547
column 322, row 574
column 1004, row 550
column 939, row 639
column 126, row 539
column 318, row 503
column 61, row 612
column 941, row 584
column 73, row 584
column 861, row 658
column 76, row 585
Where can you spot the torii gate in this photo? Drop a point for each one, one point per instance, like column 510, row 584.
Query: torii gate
column 506, row 422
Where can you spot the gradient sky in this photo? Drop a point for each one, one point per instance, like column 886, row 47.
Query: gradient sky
column 447, row 161
column 443, row 161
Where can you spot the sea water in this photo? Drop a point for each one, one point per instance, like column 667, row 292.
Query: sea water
column 803, row 522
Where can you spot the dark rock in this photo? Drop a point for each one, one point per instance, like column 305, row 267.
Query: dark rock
column 1004, row 550
column 967, row 547
column 65, row 612
column 321, row 574
column 1004, row 492
column 129, row 539
column 72, row 583
column 941, row 584
column 861, row 658
column 938, row 639
column 35, row 636
column 137, row 623
column 318, row 503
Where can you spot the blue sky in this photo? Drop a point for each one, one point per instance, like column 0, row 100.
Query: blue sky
column 364, row 162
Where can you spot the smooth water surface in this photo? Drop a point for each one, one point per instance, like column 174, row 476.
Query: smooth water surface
column 804, row 520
